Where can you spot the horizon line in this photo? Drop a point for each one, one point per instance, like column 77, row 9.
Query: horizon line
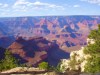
column 45, row 16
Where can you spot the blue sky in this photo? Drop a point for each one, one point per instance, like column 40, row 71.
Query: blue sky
column 10, row 8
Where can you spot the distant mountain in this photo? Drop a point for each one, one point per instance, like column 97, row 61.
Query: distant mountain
column 69, row 32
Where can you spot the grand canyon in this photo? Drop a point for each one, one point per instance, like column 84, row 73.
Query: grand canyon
column 45, row 38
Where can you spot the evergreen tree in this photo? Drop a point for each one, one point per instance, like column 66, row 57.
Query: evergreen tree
column 93, row 63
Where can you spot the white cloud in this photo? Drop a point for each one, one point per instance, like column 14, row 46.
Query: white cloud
column 3, row 5
column 37, row 3
column 20, row 4
column 76, row 6
column 23, row 4
column 93, row 1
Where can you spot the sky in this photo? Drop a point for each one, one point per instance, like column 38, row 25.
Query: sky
column 14, row 8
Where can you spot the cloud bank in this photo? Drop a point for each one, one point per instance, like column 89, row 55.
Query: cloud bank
column 23, row 4
column 93, row 1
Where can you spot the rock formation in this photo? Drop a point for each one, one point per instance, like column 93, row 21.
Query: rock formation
column 77, row 60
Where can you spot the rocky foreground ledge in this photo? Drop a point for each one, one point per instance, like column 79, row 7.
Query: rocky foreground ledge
column 27, row 71
column 37, row 71
column 23, row 70
column 33, row 71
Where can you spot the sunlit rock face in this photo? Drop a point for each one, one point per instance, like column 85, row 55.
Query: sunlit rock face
column 64, row 65
column 80, row 59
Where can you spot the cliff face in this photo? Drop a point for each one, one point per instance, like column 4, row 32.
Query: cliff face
column 69, row 32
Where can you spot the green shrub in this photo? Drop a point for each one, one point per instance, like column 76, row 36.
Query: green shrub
column 8, row 62
column 44, row 65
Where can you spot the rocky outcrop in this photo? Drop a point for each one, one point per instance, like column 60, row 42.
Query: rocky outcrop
column 78, row 59
column 29, row 71
column 22, row 69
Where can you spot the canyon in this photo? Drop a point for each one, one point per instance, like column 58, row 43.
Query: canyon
column 45, row 38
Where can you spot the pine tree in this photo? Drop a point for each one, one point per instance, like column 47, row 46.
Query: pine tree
column 93, row 63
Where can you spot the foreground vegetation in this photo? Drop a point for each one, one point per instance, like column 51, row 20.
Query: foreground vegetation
column 93, row 64
column 8, row 62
